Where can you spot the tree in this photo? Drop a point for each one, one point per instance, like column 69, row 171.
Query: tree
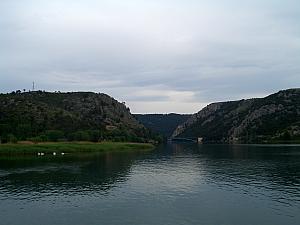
column 12, row 138
column 81, row 136
column 54, row 135
column 286, row 136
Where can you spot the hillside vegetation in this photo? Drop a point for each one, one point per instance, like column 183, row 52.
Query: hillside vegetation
column 62, row 148
column 272, row 119
column 163, row 124
column 77, row 116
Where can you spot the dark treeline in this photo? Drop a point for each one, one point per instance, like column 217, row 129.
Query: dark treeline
column 80, row 135
column 163, row 124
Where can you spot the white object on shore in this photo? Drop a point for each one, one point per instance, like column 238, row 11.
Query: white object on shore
column 39, row 153
column 42, row 153
column 54, row 153
column 62, row 153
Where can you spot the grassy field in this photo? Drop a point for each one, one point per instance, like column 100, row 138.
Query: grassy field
column 70, row 147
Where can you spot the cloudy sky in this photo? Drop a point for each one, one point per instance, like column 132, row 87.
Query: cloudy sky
column 156, row 55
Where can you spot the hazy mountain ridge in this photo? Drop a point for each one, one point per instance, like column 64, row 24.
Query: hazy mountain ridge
column 163, row 124
column 30, row 114
column 273, row 118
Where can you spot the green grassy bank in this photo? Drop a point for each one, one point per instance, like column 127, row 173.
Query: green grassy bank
column 70, row 147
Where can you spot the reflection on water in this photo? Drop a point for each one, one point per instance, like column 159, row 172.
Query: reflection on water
column 85, row 174
column 175, row 184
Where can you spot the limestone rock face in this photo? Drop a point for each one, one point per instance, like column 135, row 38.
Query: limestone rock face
column 275, row 117
column 206, row 114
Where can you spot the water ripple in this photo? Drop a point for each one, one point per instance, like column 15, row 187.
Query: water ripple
column 176, row 184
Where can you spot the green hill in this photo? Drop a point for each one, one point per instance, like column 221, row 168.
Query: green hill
column 67, row 116
column 163, row 124
column 273, row 119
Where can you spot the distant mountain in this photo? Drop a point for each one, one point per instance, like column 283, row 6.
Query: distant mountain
column 163, row 124
column 273, row 119
column 70, row 116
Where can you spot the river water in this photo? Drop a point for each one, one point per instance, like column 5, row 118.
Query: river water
column 174, row 184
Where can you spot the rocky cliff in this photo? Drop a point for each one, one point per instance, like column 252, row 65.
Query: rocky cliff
column 274, row 118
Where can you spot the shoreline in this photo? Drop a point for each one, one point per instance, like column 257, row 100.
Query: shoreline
column 70, row 148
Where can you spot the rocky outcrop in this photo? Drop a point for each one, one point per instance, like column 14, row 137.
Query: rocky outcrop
column 207, row 113
column 275, row 117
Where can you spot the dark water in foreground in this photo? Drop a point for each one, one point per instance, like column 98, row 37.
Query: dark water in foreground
column 176, row 184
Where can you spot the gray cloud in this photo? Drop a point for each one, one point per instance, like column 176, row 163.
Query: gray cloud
column 158, row 56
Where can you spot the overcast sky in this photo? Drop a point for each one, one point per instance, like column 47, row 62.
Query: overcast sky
column 156, row 55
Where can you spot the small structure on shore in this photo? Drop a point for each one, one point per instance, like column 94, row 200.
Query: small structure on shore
column 200, row 140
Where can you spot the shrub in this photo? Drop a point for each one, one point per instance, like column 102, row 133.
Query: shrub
column 54, row 135
column 12, row 138
column 81, row 136
column 41, row 138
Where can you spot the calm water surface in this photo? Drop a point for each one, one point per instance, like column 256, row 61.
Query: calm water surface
column 175, row 184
